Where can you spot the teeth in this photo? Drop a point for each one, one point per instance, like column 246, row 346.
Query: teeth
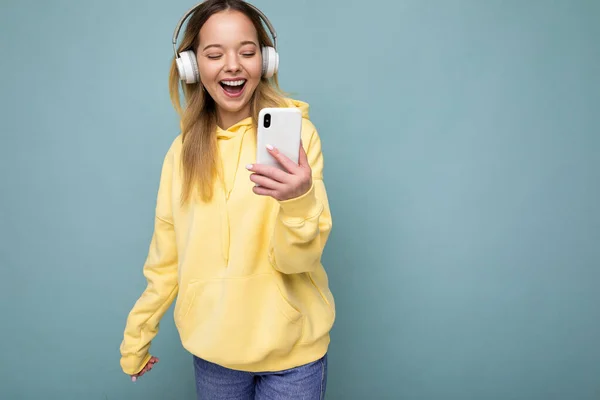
column 234, row 83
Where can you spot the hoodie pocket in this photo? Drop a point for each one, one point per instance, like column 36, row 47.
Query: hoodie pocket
column 237, row 321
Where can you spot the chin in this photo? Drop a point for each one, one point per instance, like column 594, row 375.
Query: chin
column 231, row 109
column 231, row 104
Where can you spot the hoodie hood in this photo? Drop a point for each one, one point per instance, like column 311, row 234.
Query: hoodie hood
column 246, row 123
column 299, row 104
column 231, row 143
column 233, row 131
column 243, row 125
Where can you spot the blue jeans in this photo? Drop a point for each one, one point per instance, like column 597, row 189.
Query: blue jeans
column 306, row 382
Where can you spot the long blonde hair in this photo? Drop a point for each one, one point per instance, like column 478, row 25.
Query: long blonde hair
column 199, row 154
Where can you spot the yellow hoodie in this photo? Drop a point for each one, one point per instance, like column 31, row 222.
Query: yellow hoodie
column 246, row 270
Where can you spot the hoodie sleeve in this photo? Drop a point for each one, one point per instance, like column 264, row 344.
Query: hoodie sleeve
column 160, row 271
column 303, row 224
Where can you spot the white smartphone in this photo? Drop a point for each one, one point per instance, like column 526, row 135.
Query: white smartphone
column 281, row 128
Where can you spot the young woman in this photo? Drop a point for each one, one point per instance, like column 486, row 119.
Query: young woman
column 238, row 245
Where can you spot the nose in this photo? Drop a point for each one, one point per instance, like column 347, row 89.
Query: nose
column 232, row 63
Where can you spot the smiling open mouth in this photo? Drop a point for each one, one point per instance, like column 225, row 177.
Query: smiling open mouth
column 233, row 88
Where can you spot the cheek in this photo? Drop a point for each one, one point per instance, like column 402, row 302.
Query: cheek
column 254, row 68
column 208, row 72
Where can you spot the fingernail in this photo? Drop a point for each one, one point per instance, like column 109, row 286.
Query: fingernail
column 249, row 166
column 269, row 147
column 133, row 379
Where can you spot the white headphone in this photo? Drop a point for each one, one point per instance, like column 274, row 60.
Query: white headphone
column 186, row 60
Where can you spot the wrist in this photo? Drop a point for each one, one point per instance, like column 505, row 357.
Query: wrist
column 302, row 206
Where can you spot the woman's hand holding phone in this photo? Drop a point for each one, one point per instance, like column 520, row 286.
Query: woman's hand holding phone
column 291, row 182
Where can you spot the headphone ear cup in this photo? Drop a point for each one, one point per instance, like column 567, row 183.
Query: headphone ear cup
column 188, row 67
column 270, row 60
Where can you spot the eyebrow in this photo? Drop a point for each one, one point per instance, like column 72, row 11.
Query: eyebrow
column 219, row 46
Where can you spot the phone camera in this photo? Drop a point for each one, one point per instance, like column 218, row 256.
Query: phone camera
column 267, row 120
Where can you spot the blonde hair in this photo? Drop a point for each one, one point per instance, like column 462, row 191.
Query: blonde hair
column 199, row 154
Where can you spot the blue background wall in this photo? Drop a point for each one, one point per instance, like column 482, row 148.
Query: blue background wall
column 462, row 144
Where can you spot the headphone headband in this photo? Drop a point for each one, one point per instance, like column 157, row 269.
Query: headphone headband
column 191, row 10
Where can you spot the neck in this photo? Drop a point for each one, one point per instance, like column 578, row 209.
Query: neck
column 227, row 119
